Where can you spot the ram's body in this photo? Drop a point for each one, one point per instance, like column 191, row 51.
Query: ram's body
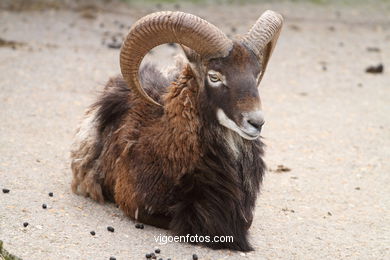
column 178, row 163
column 181, row 150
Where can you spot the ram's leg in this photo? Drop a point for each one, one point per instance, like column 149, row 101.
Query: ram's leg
column 210, row 211
column 124, row 192
column 157, row 220
column 126, row 199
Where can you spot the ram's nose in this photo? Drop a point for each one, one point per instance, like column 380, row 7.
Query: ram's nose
column 253, row 122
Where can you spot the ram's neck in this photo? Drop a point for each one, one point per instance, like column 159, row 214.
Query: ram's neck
column 180, row 124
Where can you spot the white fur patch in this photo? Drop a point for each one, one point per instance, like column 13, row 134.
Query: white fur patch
column 224, row 120
column 87, row 130
column 233, row 143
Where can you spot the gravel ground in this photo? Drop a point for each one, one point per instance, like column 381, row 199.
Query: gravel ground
column 328, row 125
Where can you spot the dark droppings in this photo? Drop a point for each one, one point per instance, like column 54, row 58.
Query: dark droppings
column 92, row 233
column 112, row 258
column 148, row 256
column 111, row 229
column 44, row 206
column 6, row 190
column 139, row 226
column 51, row 194
column 157, row 251
column 375, row 69
column 194, row 257
column 25, row 224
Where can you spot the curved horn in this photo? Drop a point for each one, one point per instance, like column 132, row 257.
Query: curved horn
column 165, row 27
column 262, row 37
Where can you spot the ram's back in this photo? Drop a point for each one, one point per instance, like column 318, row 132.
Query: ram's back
column 120, row 114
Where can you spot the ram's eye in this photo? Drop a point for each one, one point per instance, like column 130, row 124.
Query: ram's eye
column 214, row 77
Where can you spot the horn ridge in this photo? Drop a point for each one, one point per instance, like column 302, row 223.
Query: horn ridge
column 164, row 27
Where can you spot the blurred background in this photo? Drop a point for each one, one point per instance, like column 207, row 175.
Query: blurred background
column 326, row 96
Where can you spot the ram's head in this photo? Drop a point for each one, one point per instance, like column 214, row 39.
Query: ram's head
column 228, row 72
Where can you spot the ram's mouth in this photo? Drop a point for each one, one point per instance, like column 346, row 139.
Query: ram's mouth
column 248, row 132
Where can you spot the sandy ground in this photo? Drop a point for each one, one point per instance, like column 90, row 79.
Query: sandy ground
column 327, row 120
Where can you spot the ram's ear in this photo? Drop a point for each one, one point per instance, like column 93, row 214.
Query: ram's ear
column 191, row 55
column 195, row 62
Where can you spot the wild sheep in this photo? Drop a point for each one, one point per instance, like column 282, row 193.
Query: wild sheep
column 181, row 151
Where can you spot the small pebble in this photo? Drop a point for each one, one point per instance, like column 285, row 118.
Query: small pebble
column 329, row 213
column 112, row 258
column 50, row 194
column 111, row 229
column 114, row 45
column 194, row 257
column 160, row 259
column 44, row 206
column 5, row 190
column 92, row 233
column 25, row 224
column 357, row 188
column 373, row 49
column 282, row 168
column 157, row 251
column 148, row 256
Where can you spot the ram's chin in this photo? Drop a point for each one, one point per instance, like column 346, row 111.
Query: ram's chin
column 224, row 120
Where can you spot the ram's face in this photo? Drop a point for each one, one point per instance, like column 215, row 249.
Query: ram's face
column 231, row 83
